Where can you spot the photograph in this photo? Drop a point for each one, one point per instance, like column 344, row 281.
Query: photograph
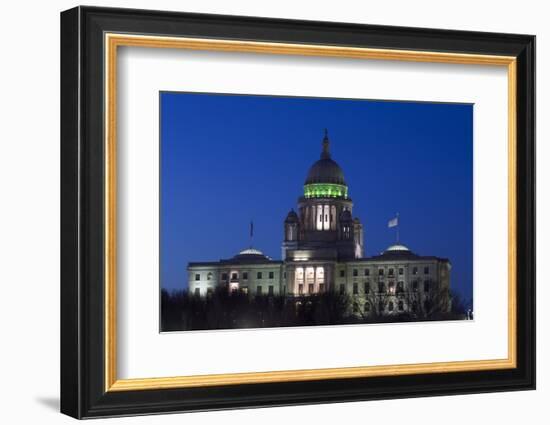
column 281, row 211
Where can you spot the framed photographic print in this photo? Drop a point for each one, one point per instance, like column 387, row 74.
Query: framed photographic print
column 261, row 212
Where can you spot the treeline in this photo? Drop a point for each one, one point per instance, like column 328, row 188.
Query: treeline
column 181, row 311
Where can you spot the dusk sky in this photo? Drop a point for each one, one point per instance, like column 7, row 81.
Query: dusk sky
column 230, row 159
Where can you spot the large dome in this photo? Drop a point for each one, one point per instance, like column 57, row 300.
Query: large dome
column 325, row 170
column 325, row 177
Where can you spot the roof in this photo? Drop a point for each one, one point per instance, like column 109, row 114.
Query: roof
column 247, row 256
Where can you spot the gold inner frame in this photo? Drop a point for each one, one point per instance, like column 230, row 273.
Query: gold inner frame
column 113, row 41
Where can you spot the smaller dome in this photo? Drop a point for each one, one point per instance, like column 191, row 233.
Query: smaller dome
column 251, row 251
column 397, row 247
column 291, row 217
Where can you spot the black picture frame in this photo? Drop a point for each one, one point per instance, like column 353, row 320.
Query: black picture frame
column 83, row 392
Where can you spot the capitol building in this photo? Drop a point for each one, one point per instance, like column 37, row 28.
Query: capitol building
column 323, row 250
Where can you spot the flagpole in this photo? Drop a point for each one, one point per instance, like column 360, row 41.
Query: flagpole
column 397, row 227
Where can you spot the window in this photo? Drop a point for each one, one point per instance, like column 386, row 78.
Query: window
column 367, row 307
column 367, row 287
column 355, row 288
column 381, row 287
column 380, row 272
column 400, row 270
column 390, row 272
column 271, row 274
column 245, row 275
column 400, row 305
column 284, row 275
column 342, row 273
column 301, row 288
column 390, row 306
column 400, row 287
column 270, row 290
column 355, row 272
column 415, row 270
column 197, row 276
column 310, row 288
column 355, row 307
column 380, row 306
column 209, row 276
column 415, row 286
column 342, row 288
column 259, row 275
column 414, row 306
column 426, row 270
column 244, row 289
column 391, row 287
column 426, row 286
column 321, row 287
column 233, row 276
column 224, row 276
column 197, row 292
column 259, row 290
column 367, row 272
column 209, row 292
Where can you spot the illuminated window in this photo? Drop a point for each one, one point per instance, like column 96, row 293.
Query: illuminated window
column 259, row 275
column 271, row 275
column 300, row 289
column 391, row 288
column 197, row 277
column 320, row 275
column 310, row 288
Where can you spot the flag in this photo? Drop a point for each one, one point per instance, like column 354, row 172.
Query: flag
column 393, row 222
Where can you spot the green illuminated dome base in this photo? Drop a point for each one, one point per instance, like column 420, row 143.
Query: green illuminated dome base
column 325, row 190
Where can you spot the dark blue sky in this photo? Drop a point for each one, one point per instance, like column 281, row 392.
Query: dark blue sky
column 227, row 160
